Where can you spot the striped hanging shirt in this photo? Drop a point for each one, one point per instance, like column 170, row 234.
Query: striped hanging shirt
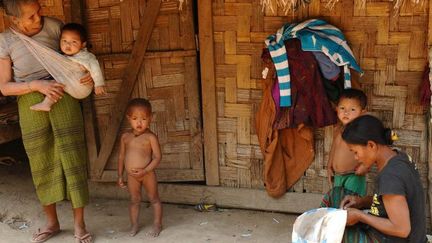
column 314, row 35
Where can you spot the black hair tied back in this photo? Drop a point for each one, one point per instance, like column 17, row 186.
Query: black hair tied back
column 388, row 136
column 368, row 128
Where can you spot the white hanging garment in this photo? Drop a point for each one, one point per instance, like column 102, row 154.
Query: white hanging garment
column 60, row 67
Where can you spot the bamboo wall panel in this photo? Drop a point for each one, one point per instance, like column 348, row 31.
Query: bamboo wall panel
column 113, row 26
column 168, row 80
column 391, row 50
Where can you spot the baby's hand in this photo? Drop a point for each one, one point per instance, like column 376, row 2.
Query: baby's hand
column 121, row 183
column 100, row 90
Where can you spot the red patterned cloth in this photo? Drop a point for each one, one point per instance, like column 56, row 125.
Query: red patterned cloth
column 425, row 91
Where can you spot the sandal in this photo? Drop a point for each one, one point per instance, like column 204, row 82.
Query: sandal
column 84, row 238
column 46, row 234
column 202, row 207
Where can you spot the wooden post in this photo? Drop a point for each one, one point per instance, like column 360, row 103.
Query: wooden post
column 73, row 11
column 130, row 75
column 208, row 84
column 429, row 117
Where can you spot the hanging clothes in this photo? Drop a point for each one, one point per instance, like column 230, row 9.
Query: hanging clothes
column 287, row 152
column 310, row 105
column 315, row 35
column 328, row 68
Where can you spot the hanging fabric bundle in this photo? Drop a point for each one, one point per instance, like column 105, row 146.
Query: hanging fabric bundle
column 60, row 67
column 314, row 35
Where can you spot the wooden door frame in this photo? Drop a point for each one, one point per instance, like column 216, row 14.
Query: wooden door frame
column 208, row 87
column 428, row 121
column 99, row 160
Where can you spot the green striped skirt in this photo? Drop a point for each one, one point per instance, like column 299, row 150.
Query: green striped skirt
column 55, row 145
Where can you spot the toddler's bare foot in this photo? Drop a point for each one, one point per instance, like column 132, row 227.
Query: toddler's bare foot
column 41, row 107
column 157, row 228
column 133, row 231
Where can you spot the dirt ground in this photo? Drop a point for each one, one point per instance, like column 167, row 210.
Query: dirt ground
column 21, row 214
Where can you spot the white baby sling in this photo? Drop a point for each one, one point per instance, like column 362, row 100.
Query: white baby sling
column 62, row 69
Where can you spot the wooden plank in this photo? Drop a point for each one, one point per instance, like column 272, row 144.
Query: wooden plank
column 129, row 78
column 205, row 20
column 430, row 25
column 192, row 89
column 9, row 133
column 90, row 132
column 166, row 175
column 429, row 144
column 222, row 196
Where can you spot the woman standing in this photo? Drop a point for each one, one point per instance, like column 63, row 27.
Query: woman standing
column 54, row 141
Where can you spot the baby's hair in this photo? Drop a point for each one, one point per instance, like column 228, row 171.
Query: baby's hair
column 354, row 94
column 13, row 8
column 138, row 102
column 367, row 128
column 78, row 28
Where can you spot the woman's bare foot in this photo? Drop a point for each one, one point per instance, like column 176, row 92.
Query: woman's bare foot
column 157, row 228
column 134, row 230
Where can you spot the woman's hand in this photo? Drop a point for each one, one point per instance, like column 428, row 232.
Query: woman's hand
column 353, row 216
column 350, row 201
column 87, row 80
column 51, row 88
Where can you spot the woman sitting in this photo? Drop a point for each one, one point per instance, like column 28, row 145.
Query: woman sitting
column 397, row 207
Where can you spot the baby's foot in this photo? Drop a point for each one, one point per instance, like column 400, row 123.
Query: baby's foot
column 157, row 228
column 133, row 231
column 41, row 107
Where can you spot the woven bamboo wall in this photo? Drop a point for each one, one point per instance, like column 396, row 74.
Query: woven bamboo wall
column 168, row 77
column 391, row 50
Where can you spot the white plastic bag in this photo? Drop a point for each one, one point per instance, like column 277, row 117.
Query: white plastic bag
column 322, row 225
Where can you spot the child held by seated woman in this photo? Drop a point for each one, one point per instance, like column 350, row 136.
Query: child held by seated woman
column 73, row 42
column 140, row 154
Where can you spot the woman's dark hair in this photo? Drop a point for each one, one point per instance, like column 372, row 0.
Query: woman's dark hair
column 78, row 28
column 367, row 128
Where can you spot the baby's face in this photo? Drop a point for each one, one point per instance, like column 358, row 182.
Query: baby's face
column 139, row 118
column 348, row 109
column 70, row 42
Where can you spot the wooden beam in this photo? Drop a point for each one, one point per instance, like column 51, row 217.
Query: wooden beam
column 208, row 84
column 429, row 139
column 90, row 132
column 429, row 117
column 130, row 75
column 222, row 196
column 166, row 175
column 73, row 11
column 430, row 24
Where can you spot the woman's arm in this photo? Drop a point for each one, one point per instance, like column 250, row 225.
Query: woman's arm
column 398, row 222
column 52, row 89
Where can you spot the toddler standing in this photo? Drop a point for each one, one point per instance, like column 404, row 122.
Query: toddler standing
column 140, row 154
